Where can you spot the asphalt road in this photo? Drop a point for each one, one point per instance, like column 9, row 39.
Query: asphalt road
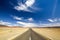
column 24, row 36
column 30, row 35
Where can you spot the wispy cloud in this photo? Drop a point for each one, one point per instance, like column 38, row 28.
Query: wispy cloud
column 25, row 24
column 30, row 19
column 29, row 3
column 22, row 18
column 50, row 25
column 28, row 24
column 7, row 23
column 17, row 18
column 27, row 6
column 53, row 20
column 4, row 23
column 54, row 8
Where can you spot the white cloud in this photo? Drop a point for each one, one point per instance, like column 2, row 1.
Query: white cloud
column 17, row 18
column 25, row 24
column 21, row 22
column 22, row 18
column 50, row 20
column 4, row 23
column 25, row 6
column 53, row 20
column 22, row 7
column 7, row 23
column 29, row 3
column 30, row 19
column 50, row 25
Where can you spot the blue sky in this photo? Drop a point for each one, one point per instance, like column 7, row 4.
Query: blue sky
column 40, row 12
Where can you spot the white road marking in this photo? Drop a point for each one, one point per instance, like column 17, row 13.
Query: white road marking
column 30, row 38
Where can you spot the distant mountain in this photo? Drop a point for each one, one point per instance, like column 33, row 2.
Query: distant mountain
column 16, row 26
column 10, row 26
column 3, row 26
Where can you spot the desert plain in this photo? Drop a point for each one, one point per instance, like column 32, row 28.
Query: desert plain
column 19, row 33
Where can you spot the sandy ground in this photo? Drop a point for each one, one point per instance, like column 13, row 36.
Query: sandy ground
column 51, row 33
column 7, row 33
column 29, row 34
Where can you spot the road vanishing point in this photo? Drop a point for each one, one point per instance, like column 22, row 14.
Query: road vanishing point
column 29, row 34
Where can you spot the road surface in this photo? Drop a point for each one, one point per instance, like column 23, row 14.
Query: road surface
column 30, row 35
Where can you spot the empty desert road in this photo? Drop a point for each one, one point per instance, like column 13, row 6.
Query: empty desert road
column 30, row 35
